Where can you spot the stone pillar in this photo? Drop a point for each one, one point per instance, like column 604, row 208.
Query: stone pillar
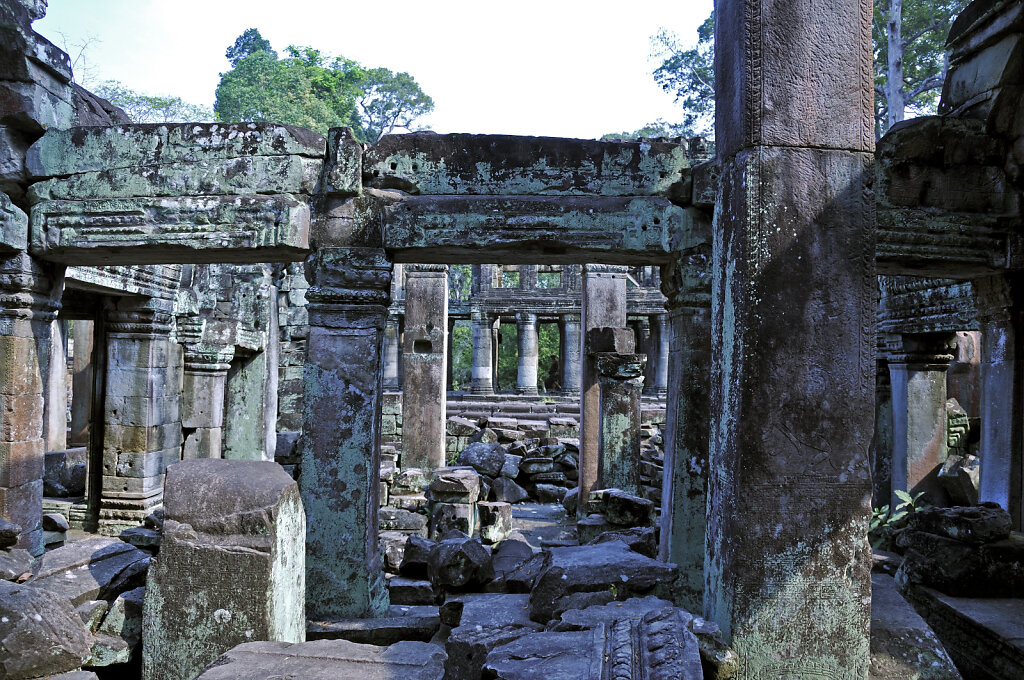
column 55, row 377
column 620, row 379
column 526, row 325
column 918, row 364
column 449, row 357
column 604, row 305
column 231, row 567
column 392, row 355
column 571, row 360
column 658, row 355
column 881, row 442
column 83, row 382
column 245, row 405
column 686, row 285
column 141, row 412
column 483, row 369
column 30, row 294
column 793, row 318
column 1002, row 394
column 202, row 400
column 340, row 446
column 495, row 345
column 425, row 357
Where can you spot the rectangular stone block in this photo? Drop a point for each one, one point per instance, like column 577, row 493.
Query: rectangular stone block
column 202, row 443
column 227, row 229
column 21, row 462
column 142, row 411
column 135, row 353
column 21, row 417
column 148, row 464
column 23, row 505
column 236, row 176
column 431, row 164
column 794, row 74
column 625, row 230
column 34, row 107
column 224, row 519
column 132, row 487
column 141, row 380
column 63, row 151
column 20, row 372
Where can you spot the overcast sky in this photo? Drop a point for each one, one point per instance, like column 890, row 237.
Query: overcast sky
column 533, row 67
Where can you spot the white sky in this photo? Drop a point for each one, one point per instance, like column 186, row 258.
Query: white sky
column 563, row 68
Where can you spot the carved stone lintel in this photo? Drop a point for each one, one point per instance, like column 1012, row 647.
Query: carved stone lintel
column 348, row 276
column 208, row 358
column 620, row 367
column 686, row 281
column 29, row 289
column 921, row 349
column 426, row 269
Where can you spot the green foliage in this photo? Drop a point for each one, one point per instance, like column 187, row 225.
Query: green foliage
column 249, row 42
column 460, row 281
column 884, row 523
column 924, row 27
column 390, row 101
column 462, row 355
column 144, row 108
column 689, row 75
column 658, row 128
column 313, row 90
column 508, row 357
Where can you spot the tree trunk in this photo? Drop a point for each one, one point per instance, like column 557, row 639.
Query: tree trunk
column 894, row 68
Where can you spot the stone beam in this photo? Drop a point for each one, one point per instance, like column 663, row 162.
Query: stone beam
column 922, row 242
column 427, row 163
column 535, row 229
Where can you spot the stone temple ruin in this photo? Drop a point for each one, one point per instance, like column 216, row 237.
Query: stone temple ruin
column 232, row 444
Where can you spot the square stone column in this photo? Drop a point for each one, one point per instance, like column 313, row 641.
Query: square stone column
column 918, row 363
column 141, row 411
column 687, row 287
column 620, row 377
column 604, row 306
column 526, row 378
column 1002, row 394
column 83, row 382
column 483, row 370
column 656, row 374
column 571, row 360
column 425, row 355
column 392, row 354
column 793, row 355
column 202, row 400
column 348, row 299
column 30, row 294
column 55, row 377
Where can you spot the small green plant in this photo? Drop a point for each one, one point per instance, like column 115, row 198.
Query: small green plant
column 885, row 523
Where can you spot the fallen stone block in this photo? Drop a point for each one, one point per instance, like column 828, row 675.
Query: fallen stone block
column 985, row 523
column 484, row 436
column 409, row 591
column 643, row 540
column 9, row 533
column 328, row 660
column 14, row 563
column 457, row 563
column 40, row 633
column 549, row 493
column 142, row 538
column 495, row 521
column 231, row 565
column 522, row 578
column 507, row 491
column 402, row 622
column 445, row 517
column 570, row 500
column 392, row 548
column 93, row 569
column 626, row 509
column 955, row 568
column 120, row 632
column 412, row 503
column 409, row 481
column 533, row 466
column 510, row 468
column 416, row 556
column 960, row 476
column 487, row 622
column 454, row 485
column 487, row 459
column 592, row 568
column 458, row 426
column 397, row 519
column 592, row 526
column 508, row 555
column 92, row 613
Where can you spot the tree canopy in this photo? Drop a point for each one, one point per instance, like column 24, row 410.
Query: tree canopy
column 312, row 89
column 909, row 59
column 144, row 108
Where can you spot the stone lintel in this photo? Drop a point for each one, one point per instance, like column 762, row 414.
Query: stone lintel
column 85, row 149
column 427, row 163
column 231, row 229
column 542, row 229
